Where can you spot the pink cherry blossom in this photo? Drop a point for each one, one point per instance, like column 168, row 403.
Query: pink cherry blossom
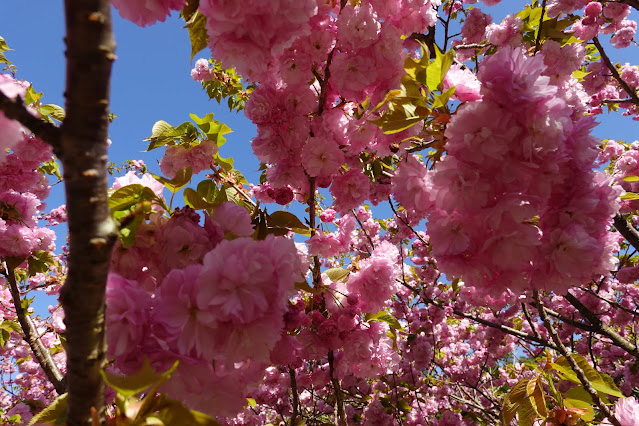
column 627, row 411
column 147, row 12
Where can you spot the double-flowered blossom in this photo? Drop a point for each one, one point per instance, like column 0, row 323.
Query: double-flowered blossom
column 11, row 132
column 147, row 12
column 183, row 292
column 517, row 204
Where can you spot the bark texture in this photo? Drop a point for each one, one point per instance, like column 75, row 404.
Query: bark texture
column 89, row 53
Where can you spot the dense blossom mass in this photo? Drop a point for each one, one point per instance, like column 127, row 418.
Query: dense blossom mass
column 450, row 255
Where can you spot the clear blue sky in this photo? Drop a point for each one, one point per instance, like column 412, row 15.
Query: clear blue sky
column 151, row 77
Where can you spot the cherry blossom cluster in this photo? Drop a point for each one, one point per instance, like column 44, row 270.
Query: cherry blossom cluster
column 307, row 126
column 23, row 189
column 515, row 201
column 204, row 293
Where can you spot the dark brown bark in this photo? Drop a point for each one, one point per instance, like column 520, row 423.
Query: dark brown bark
column 613, row 70
column 581, row 375
column 15, row 109
column 90, row 53
column 633, row 3
column 601, row 327
column 627, row 230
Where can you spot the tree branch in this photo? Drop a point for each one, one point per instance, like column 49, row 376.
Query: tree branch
column 470, row 46
column 632, row 93
column 627, row 230
column 40, row 352
column 89, row 54
column 16, row 110
column 500, row 327
column 632, row 3
column 600, row 327
column 296, row 397
column 541, row 23
column 581, row 375
column 340, row 411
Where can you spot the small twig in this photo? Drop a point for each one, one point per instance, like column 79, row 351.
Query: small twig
column 627, row 230
column 296, row 397
column 541, row 23
column 500, row 327
column 16, row 110
column 317, row 269
column 447, row 23
column 570, row 321
column 530, row 321
column 475, row 405
column 361, row 225
column 340, row 411
column 470, row 46
column 40, row 352
column 632, row 93
column 613, row 303
column 419, row 237
column 615, row 101
column 324, row 83
column 581, row 375
column 633, row 3
column 240, row 189
column 600, row 327
column 420, row 146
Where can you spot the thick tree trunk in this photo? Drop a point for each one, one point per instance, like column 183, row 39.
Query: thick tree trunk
column 89, row 54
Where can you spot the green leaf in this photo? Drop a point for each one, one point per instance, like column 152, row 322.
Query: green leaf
column 3, row 45
column 526, row 414
column 195, row 200
column 162, row 133
column 225, row 163
column 52, row 168
column 204, row 122
column 594, row 377
column 161, row 128
column 513, row 401
column 578, row 397
column 631, row 178
column 284, row 219
column 208, row 190
column 130, row 221
column 169, row 412
column 5, row 336
column 390, row 95
column 535, row 391
column 386, row 317
column 54, row 111
column 251, row 402
column 54, row 414
column 438, row 68
column 441, row 100
column 580, row 74
column 7, row 326
column 31, row 96
column 129, row 196
column 190, row 8
column 396, row 124
column 197, row 33
column 137, row 382
column 630, row 196
column 39, row 262
column 337, row 274
column 181, row 178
